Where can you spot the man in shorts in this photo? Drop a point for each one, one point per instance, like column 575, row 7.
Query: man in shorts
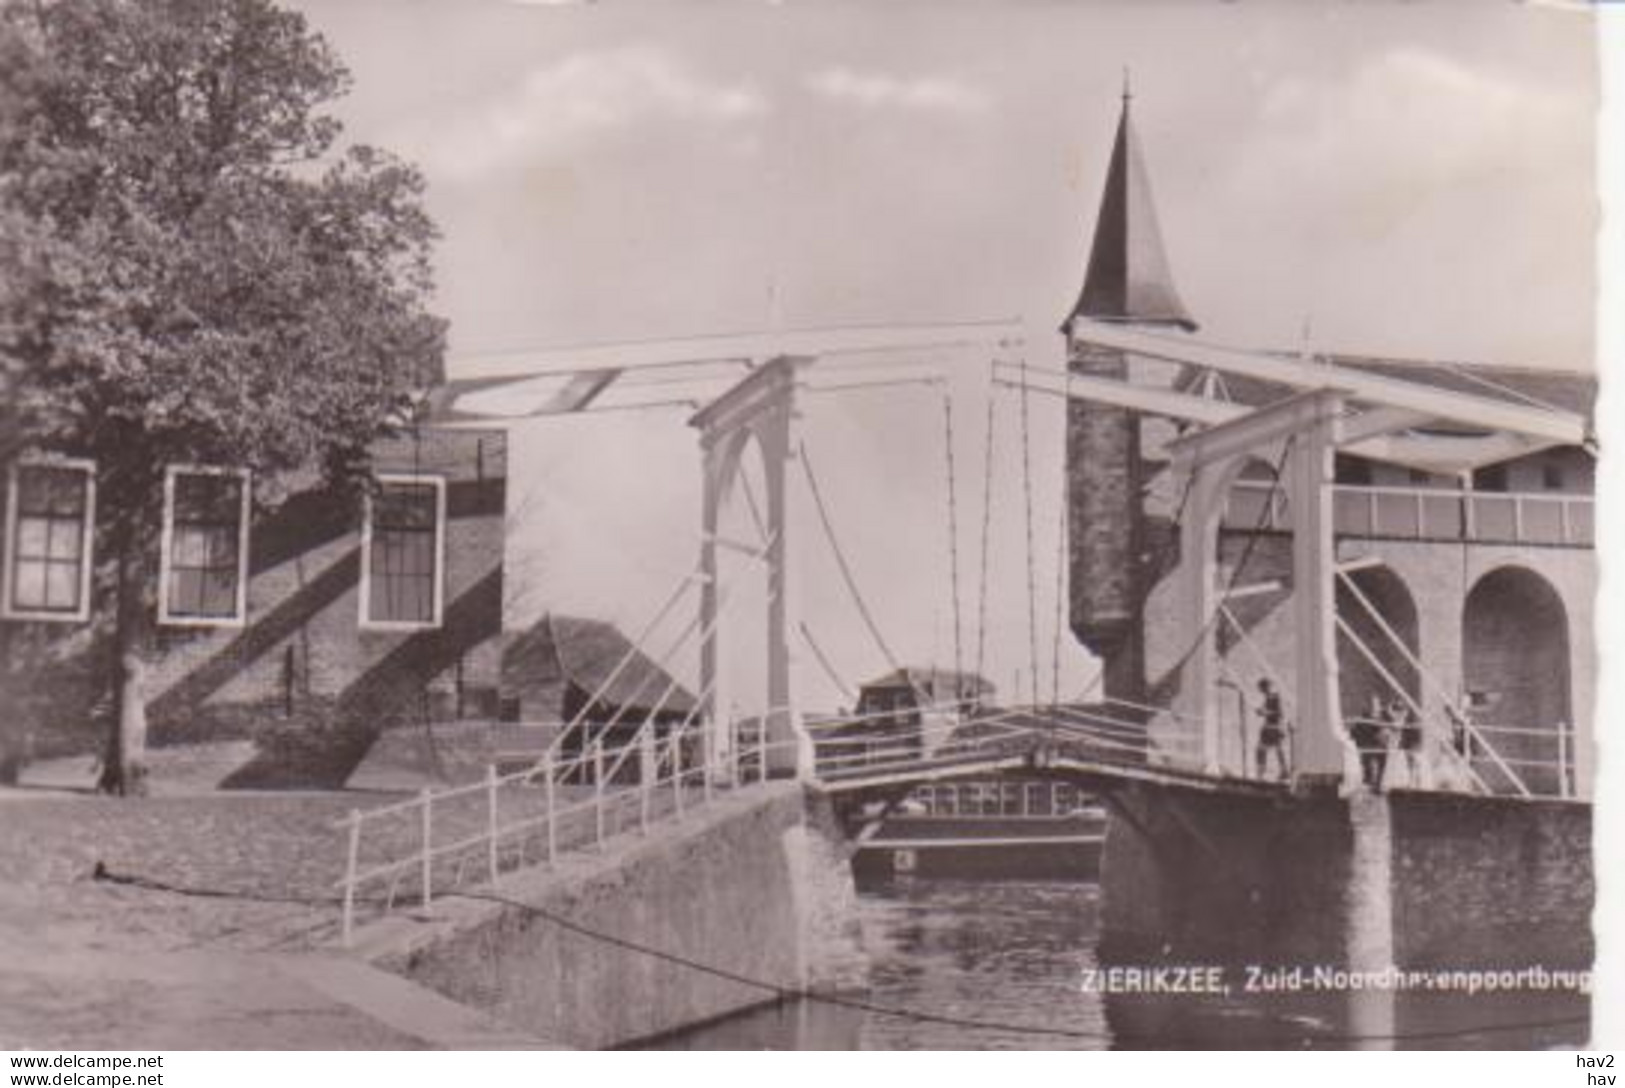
column 1272, row 730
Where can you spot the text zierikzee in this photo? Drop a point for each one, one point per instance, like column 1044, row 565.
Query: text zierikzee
column 1155, row 980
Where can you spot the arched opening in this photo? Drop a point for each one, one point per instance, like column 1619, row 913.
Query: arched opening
column 1381, row 671
column 1252, row 634
column 1515, row 667
column 1255, row 500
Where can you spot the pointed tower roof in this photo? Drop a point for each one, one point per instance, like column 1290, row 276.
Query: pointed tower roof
column 1128, row 277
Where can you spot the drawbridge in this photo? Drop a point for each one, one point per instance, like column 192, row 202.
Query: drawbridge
column 600, row 778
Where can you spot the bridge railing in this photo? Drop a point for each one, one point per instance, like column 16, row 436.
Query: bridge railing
column 1429, row 513
column 1543, row 759
column 902, row 740
column 408, row 852
column 923, row 744
column 1166, row 738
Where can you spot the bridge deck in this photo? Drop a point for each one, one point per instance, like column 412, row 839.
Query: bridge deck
column 1040, row 747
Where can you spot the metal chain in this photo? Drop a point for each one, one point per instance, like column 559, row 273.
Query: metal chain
column 1062, row 556
column 987, row 522
column 1027, row 489
column 953, row 533
column 841, row 562
column 1246, row 554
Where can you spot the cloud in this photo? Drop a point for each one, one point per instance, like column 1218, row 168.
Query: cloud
column 555, row 107
column 874, row 91
column 1382, row 193
column 1445, row 124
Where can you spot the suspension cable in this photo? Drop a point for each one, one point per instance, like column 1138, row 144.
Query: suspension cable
column 1027, row 490
column 1062, row 556
column 632, row 649
column 987, row 524
column 953, row 531
column 1428, row 679
column 665, row 662
column 823, row 660
column 1265, row 511
column 1383, row 673
column 840, row 560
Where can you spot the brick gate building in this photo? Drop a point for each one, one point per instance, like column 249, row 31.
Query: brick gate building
column 1486, row 574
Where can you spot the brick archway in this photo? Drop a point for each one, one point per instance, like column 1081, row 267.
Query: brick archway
column 1393, row 600
column 1516, row 667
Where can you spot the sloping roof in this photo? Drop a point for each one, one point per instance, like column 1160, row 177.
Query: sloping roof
column 1563, row 389
column 915, row 677
column 586, row 652
column 1128, row 277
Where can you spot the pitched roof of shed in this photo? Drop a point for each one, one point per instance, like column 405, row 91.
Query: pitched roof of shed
column 586, row 652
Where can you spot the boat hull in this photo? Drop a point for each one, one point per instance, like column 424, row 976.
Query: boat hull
column 982, row 849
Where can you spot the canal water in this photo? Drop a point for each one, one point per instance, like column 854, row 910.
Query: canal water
column 1001, row 965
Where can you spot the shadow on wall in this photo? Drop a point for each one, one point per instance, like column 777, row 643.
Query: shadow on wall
column 321, row 749
column 177, row 713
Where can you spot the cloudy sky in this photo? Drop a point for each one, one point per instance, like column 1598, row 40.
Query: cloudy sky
column 1411, row 181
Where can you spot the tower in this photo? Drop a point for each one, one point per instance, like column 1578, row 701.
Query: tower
column 1112, row 556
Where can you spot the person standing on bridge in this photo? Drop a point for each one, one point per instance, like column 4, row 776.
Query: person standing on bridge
column 1272, row 730
column 1410, row 742
column 1369, row 734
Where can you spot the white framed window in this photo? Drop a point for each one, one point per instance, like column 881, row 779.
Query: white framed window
column 203, row 552
column 50, row 526
column 403, row 549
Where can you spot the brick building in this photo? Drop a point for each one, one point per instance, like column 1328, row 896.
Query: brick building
column 1486, row 575
column 311, row 628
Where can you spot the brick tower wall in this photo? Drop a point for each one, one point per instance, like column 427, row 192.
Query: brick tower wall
column 1105, row 477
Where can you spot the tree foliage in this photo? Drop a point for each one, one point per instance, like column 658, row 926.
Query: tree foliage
column 193, row 269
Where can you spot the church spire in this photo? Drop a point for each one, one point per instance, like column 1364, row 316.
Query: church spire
column 1128, row 278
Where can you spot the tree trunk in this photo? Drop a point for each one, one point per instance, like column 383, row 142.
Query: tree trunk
column 124, row 766
column 11, row 728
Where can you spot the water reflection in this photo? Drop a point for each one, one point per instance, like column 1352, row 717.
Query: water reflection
column 998, row 965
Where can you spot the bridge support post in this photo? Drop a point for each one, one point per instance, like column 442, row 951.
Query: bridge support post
column 1320, row 746
column 1211, row 460
column 716, row 741
column 1204, row 505
column 762, row 410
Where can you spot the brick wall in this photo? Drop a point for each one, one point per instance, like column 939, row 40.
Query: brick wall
column 1463, row 881
column 1478, row 882
column 1105, row 527
column 1540, row 661
column 302, row 661
column 303, row 641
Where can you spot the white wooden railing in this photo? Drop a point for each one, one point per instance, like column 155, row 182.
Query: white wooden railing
column 408, row 852
column 434, row 842
column 1423, row 513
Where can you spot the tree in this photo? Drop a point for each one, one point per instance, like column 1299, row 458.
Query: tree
column 192, row 269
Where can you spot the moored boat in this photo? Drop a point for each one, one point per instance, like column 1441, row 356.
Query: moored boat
column 1006, row 828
